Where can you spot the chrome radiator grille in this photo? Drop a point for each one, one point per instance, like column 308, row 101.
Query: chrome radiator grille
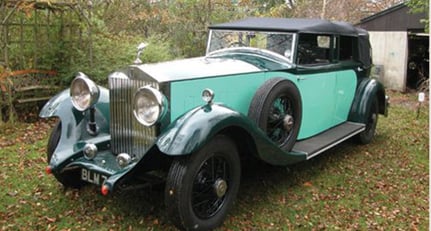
column 127, row 134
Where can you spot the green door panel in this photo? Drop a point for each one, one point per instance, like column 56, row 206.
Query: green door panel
column 318, row 97
column 345, row 93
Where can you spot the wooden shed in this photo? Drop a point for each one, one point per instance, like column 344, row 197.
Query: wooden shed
column 400, row 47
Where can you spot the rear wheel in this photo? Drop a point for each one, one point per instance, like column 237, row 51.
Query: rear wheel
column 70, row 178
column 367, row 135
column 201, row 188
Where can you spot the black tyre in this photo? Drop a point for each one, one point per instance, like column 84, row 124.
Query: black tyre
column 70, row 178
column 367, row 135
column 277, row 109
column 201, row 187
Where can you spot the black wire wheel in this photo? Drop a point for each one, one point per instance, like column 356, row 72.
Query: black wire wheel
column 276, row 108
column 70, row 178
column 201, row 187
column 366, row 136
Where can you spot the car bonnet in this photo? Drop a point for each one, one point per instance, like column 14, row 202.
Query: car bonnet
column 193, row 68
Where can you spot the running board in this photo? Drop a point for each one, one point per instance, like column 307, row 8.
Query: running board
column 314, row 146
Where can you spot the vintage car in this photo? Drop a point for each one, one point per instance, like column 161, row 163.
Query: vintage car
column 276, row 89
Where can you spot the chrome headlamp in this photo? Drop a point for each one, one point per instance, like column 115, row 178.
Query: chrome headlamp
column 84, row 92
column 148, row 105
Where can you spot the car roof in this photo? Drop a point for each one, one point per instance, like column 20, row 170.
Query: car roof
column 300, row 25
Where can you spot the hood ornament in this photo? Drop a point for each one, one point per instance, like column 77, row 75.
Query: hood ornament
column 140, row 48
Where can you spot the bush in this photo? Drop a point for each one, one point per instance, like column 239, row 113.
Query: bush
column 112, row 53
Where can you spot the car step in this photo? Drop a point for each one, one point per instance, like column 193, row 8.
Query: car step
column 314, row 146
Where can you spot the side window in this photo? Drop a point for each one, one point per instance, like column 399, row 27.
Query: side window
column 314, row 49
column 348, row 48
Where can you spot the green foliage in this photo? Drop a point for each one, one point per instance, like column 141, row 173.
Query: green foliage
column 420, row 6
column 110, row 53
column 76, row 42
column 101, row 37
column 30, row 45
column 186, row 22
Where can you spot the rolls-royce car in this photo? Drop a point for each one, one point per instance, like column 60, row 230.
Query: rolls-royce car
column 280, row 90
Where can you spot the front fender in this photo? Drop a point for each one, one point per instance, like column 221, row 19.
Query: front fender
column 367, row 90
column 189, row 132
column 61, row 106
column 195, row 128
column 74, row 125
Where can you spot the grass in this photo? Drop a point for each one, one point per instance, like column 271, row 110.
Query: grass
column 380, row 186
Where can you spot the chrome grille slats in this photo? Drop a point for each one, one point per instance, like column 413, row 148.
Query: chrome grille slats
column 127, row 134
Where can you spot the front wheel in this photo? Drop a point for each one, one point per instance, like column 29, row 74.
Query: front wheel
column 69, row 178
column 201, row 188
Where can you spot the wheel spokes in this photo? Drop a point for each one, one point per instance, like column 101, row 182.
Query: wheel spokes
column 277, row 129
column 210, row 187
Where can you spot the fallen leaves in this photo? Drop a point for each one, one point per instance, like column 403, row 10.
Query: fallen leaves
column 380, row 186
column 20, row 133
column 308, row 184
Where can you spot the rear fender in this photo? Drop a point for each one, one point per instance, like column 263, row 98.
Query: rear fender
column 367, row 90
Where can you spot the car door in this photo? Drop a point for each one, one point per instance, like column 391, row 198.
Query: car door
column 346, row 78
column 317, row 81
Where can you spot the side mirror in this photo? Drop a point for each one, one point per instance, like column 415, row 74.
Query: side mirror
column 140, row 48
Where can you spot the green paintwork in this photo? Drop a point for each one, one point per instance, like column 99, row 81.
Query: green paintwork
column 318, row 94
column 74, row 133
column 104, row 163
column 366, row 91
column 195, row 128
column 235, row 91
column 74, row 136
column 326, row 100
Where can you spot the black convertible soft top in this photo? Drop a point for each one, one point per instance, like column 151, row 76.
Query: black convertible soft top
column 300, row 25
column 305, row 25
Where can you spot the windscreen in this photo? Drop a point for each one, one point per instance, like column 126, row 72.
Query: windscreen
column 278, row 42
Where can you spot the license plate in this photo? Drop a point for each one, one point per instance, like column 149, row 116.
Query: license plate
column 92, row 177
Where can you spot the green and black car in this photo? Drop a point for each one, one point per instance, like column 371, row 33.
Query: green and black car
column 280, row 90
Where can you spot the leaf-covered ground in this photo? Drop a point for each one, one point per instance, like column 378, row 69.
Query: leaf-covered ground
column 380, row 186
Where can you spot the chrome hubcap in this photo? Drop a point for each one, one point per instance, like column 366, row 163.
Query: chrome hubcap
column 220, row 187
column 288, row 122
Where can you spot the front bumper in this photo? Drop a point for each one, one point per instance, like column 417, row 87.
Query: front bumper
column 104, row 169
